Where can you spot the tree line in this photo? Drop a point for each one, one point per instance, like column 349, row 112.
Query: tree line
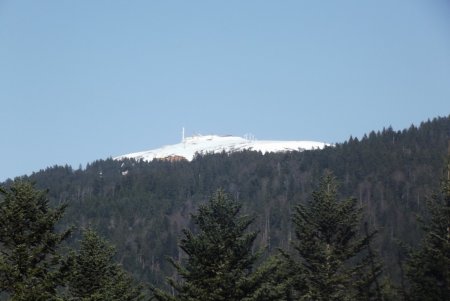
column 333, row 256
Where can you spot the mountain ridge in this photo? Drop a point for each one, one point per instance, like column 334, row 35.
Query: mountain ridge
column 206, row 144
column 391, row 173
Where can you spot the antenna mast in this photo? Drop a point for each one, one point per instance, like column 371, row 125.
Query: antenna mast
column 182, row 134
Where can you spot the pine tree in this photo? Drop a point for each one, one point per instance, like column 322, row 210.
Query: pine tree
column 325, row 266
column 29, row 262
column 92, row 273
column 428, row 267
column 219, row 257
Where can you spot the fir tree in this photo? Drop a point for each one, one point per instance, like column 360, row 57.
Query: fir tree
column 369, row 271
column 328, row 243
column 219, row 257
column 92, row 273
column 428, row 268
column 29, row 262
column 275, row 278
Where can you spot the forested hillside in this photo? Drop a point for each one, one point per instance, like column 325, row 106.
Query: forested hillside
column 142, row 207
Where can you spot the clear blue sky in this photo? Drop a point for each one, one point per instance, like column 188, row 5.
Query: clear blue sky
column 85, row 80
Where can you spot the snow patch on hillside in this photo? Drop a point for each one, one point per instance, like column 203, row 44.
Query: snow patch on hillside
column 190, row 146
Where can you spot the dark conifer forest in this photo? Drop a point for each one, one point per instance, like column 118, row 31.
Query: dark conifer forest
column 366, row 219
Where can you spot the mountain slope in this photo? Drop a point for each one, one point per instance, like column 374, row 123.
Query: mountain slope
column 143, row 210
column 199, row 144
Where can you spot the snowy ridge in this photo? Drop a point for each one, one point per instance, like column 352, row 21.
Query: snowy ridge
column 190, row 146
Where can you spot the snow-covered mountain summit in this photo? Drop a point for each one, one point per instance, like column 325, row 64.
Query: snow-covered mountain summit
column 190, row 146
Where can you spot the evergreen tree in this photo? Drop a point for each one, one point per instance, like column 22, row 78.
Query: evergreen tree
column 368, row 273
column 327, row 246
column 219, row 257
column 29, row 263
column 92, row 273
column 428, row 268
column 276, row 278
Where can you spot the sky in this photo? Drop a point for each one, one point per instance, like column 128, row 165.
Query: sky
column 86, row 80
